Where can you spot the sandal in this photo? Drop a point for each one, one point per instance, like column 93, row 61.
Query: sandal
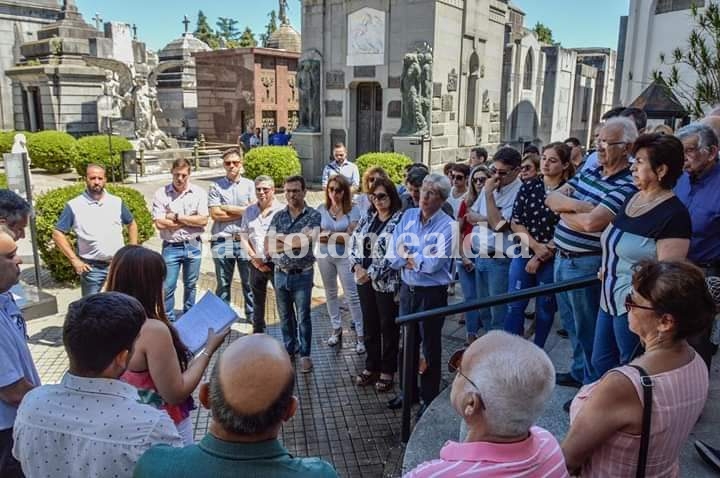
column 384, row 385
column 366, row 378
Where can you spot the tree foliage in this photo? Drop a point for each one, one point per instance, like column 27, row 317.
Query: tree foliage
column 227, row 29
column 247, row 39
column 269, row 28
column 544, row 34
column 702, row 56
column 204, row 32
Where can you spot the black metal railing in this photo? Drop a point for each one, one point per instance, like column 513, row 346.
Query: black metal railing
column 410, row 348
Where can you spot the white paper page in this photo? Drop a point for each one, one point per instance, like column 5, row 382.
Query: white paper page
column 209, row 313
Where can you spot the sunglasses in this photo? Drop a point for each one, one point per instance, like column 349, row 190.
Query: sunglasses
column 378, row 197
column 499, row 172
column 480, row 180
column 336, row 190
column 458, row 177
column 232, row 163
column 527, row 167
column 631, row 304
column 454, row 367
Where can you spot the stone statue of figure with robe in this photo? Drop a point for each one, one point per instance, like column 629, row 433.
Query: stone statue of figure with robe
column 426, row 85
column 282, row 12
column 308, row 83
column 412, row 120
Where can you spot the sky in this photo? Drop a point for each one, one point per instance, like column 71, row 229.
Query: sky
column 574, row 23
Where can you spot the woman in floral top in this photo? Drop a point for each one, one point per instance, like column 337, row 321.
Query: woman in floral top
column 535, row 224
column 378, row 285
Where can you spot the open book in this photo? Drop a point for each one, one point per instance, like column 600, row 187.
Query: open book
column 210, row 312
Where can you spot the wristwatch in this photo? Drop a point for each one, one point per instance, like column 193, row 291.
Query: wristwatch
column 176, row 217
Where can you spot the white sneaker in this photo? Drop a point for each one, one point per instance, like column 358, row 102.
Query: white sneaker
column 335, row 338
column 360, row 348
column 306, row 365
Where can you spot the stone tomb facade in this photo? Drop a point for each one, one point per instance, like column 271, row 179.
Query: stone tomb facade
column 245, row 87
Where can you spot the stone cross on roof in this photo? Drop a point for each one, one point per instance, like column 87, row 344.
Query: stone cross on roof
column 134, row 28
column 98, row 20
column 186, row 22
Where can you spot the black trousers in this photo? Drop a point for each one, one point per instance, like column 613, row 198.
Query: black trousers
column 258, row 282
column 701, row 342
column 416, row 299
column 9, row 466
column 382, row 334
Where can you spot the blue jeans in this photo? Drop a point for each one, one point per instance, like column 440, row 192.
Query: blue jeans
column 292, row 295
column 225, row 261
column 91, row 282
column 474, row 319
column 187, row 255
column 615, row 344
column 578, row 312
column 491, row 277
column 545, row 306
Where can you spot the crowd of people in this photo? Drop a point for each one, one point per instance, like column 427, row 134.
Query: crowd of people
column 641, row 212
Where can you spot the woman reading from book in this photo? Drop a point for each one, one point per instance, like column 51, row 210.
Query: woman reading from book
column 163, row 383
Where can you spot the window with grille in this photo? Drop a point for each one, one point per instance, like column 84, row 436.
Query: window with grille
column 666, row 6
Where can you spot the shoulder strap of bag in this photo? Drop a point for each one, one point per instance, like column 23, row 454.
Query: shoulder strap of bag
column 647, row 385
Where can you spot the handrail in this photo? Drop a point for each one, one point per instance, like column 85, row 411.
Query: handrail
column 411, row 352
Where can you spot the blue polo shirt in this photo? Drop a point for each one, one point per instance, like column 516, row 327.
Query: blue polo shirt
column 702, row 199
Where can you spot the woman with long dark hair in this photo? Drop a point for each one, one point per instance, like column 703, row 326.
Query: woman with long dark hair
column 163, row 383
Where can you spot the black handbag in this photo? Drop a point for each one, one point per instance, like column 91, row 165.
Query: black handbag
column 647, row 385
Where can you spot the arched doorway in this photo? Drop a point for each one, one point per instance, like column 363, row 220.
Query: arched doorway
column 369, row 118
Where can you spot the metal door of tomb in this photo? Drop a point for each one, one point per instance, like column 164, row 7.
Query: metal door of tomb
column 369, row 118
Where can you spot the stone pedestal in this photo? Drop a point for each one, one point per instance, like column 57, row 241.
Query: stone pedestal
column 309, row 147
column 416, row 148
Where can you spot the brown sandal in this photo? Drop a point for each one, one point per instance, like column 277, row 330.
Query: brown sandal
column 366, row 378
column 384, row 385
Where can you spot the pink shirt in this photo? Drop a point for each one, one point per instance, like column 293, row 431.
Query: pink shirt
column 538, row 456
column 678, row 399
column 192, row 201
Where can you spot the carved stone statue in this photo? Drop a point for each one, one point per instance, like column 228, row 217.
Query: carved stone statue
column 282, row 15
column 426, row 85
column 308, row 83
column 111, row 90
column 412, row 120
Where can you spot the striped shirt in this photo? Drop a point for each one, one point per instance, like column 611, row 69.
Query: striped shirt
column 538, row 456
column 679, row 396
column 591, row 186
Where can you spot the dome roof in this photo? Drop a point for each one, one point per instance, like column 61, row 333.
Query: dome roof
column 182, row 46
column 285, row 38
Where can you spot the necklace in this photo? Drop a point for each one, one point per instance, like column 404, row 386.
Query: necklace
column 637, row 207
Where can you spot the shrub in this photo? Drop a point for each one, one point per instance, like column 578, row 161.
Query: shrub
column 95, row 149
column 3, row 181
column 54, row 151
column 278, row 162
column 393, row 163
column 6, row 141
column 48, row 207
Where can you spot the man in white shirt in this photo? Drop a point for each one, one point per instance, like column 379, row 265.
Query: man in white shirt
column 91, row 424
column 491, row 215
column 341, row 165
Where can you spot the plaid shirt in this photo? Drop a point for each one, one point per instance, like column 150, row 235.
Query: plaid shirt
column 284, row 223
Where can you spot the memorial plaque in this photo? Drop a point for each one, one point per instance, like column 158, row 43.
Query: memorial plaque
column 394, row 109
column 364, row 71
column 335, row 80
column 338, row 136
column 393, row 82
column 333, row 108
column 437, row 89
column 447, row 103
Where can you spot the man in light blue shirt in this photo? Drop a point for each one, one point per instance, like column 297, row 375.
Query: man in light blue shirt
column 341, row 165
column 17, row 371
column 422, row 249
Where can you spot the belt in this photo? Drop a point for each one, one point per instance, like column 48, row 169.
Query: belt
column 294, row 271
column 95, row 262
column 571, row 254
column 182, row 243
column 421, row 288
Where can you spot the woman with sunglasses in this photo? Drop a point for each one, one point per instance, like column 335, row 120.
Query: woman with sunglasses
column 534, row 223
column 653, row 224
column 378, row 285
column 530, row 167
column 459, row 179
column 362, row 201
column 338, row 220
column 466, row 265
column 667, row 303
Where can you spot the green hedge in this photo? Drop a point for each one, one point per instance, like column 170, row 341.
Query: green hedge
column 48, row 207
column 3, row 181
column 54, row 151
column 393, row 163
column 278, row 162
column 6, row 141
column 95, row 149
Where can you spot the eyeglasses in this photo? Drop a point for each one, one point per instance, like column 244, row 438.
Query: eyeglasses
column 631, row 304
column 336, row 190
column 378, row 197
column 458, row 177
column 232, row 163
column 604, row 142
column 454, row 367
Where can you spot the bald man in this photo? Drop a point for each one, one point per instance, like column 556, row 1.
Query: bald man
column 251, row 395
